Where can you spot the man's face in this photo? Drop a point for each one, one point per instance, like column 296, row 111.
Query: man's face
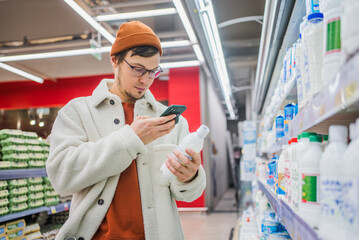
column 127, row 86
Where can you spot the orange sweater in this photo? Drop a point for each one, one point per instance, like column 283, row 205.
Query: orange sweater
column 124, row 217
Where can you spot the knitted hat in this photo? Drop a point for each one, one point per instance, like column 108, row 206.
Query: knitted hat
column 134, row 34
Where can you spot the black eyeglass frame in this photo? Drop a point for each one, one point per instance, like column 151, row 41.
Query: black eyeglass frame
column 159, row 71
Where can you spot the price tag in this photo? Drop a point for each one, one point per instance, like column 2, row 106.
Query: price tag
column 53, row 209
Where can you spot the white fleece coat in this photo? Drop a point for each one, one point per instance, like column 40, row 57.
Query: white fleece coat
column 89, row 151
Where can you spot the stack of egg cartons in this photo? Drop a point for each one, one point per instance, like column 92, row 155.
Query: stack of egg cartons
column 51, row 197
column 36, row 192
column 13, row 150
column 18, row 191
column 4, row 201
column 37, row 158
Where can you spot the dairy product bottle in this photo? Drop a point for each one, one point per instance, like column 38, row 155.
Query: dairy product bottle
column 300, row 149
column 310, row 207
column 350, row 188
column 325, row 142
column 349, row 29
column 282, row 181
column 313, row 42
column 193, row 141
column 333, row 57
column 330, row 189
column 279, row 124
column 288, row 169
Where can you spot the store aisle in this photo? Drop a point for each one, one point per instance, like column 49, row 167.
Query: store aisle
column 214, row 226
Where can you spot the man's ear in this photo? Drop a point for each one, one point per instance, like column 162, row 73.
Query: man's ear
column 114, row 61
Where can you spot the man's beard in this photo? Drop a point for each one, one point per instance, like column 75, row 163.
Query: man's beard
column 131, row 97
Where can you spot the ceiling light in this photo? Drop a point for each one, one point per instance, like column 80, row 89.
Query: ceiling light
column 21, row 73
column 188, row 27
column 180, row 64
column 78, row 52
column 91, row 21
column 32, row 122
column 209, row 24
column 139, row 14
column 41, row 124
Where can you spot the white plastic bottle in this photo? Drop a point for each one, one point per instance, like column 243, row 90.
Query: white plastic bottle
column 193, row 141
column 350, row 188
column 281, row 173
column 313, row 47
column 310, row 207
column 350, row 30
column 290, row 162
column 333, row 57
column 330, row 189
column 300, row 149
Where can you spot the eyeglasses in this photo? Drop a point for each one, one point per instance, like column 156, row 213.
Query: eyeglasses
column 139, row 71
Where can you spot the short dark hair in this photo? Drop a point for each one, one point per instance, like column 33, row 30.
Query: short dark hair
column 143, row 51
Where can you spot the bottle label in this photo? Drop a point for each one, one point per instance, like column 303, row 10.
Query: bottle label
column 281, row 183
column 349, row 208
column 333, row 36
column 330, row 196
column 310, row 188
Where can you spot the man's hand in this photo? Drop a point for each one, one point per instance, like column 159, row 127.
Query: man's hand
column 187, row 169
column 149, row 129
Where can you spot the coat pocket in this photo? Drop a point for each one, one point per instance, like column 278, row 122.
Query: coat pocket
column 160, row 153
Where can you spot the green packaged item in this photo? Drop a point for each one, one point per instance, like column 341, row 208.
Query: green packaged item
column 46, row 180
column 12, row 141
column 36, row 164
column 34, row 149
column 4, row 193
column 29, row 135
column 44, row 143
column 36, row 188
column 3, row 184
column 18, row 207
column 7, row 133
column 14, row 149
column 16, row 234
column 48, row 187
column 51, row 193
column 36, row 196
column 18, row 191
column 18, row 199
column 52, row 201
column 17, row 183
column 5, row 165
column 4, row 211
column 36, row 203
column 4, row 202
column 18, row 165
column 34, row 180
column 37, row 156
column 33, row 142
column 16, row 157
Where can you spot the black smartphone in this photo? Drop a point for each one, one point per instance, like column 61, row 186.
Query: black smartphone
column 174, row 109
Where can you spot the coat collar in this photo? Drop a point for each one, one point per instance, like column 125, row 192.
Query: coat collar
column 102, row 92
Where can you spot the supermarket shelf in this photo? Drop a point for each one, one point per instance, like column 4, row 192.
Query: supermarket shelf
column 50, row 210
column 338, row 102
column 22, row 173
column 295, row 225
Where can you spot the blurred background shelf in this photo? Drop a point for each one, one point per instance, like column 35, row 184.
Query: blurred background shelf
column 22, row 173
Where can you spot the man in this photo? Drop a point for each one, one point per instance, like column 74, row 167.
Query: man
column 107, row 149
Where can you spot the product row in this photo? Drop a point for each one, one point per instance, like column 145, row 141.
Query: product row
column 319, row 180
column 328, row 37
column 21, row 194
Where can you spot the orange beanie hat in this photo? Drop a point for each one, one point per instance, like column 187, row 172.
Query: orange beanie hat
column 134, row 34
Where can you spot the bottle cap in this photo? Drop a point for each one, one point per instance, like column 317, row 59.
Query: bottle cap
column 325, row 138
column 338, row 133
column 202, row 131
column 315, row 17
column 315, row 139
column 293, row 140
column 307, row 134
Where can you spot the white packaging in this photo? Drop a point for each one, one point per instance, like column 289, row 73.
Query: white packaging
column 282, row 183
column 330, row 187
column 310, row 207
column 192, row 141
column 350, row 188
column 350, row 30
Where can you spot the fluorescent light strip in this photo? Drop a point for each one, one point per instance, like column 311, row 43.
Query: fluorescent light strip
column 188, row 27
column 180, row 64
column 139, row 14
column 91, row 21
column 79, row 52
column 21, row 73
column 210, row 25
